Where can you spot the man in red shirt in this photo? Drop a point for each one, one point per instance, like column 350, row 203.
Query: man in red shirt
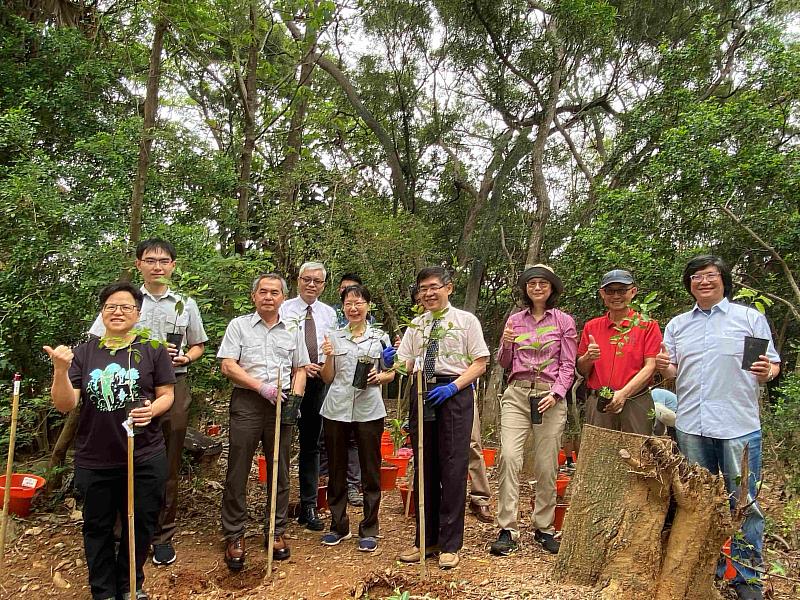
column 627, row 369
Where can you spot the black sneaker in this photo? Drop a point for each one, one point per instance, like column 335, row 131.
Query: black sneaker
column 308, row 517
column 163, row 554
column 747, row 591
column 548, row 542
column 504, row 545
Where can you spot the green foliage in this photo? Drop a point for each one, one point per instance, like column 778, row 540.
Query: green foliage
column 781, row 424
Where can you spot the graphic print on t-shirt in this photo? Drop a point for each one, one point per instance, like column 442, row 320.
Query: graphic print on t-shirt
column 110, row 388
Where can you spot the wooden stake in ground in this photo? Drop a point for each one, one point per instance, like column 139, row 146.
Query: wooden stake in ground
column 614, row 534
column 131, row 526
column 420, row 468
column 12, row 440
column 273, row 486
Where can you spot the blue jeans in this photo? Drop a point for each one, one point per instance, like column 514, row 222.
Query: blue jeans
column 724, row 456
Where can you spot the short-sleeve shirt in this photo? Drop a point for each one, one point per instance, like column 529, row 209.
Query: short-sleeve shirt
column 716, row 397
column 346, row 403
column 293, row 311
column 612, row 368
column 261, row 350
column 460, row 345
column 160, row 317
column 107, row 382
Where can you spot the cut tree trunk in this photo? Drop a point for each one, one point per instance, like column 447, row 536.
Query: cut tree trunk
column 614, row 531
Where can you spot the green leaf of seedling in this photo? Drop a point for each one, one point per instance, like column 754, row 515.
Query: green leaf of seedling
column 540, row 331
column 545, row 363
column 650, row 297
column 154, row 344
column 522, row 337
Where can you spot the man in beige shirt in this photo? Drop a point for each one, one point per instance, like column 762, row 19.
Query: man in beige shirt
column 447, row 345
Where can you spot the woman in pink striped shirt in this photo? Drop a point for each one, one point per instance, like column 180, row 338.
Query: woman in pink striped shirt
column 538, row 351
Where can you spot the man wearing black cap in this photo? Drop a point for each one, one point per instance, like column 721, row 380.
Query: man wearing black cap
column 627, row 369
column 538, row 352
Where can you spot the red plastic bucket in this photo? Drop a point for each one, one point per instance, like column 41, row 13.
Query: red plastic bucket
column 401, row 462
column 489, row 456
column 562, row 481
column 412, row 509
column 387, row 448
column 262, row 469
column 23, row 488
column 388, row 477
column 561, row 511
column 322, row 497
column 730, row 570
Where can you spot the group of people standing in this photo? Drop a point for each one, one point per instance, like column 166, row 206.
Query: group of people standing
column 327, row 372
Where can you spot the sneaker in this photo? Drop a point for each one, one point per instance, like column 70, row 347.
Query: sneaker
column 332, row 538
column 308, row 517
column 448, row 560
column 411, row 555
column 748, row 591
column 140, row 595
column 548, row 541
column 368, row 544
column 354, row 496
column 163, row 554
column 504, row 545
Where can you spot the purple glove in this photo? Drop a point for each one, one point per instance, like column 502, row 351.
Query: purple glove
column 388, row 355
column 270, row 392
column 441, row 393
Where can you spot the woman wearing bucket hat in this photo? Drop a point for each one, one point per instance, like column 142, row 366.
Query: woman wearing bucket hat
column 538, row 351
column 354, row 405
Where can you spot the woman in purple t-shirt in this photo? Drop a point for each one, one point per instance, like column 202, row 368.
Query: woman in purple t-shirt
column 109, row 378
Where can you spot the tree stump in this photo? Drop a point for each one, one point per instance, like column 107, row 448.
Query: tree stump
column 614, row 534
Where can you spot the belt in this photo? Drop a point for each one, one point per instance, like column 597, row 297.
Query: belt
column 530, row 385
column 641, row 393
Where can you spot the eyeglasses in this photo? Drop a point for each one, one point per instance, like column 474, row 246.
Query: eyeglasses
column 617, row 291
column 161, row 262
column 125, row 308
column 430, row 288
column 538, row 284
column 310, row 280
column 698, row 277
column 350, row 305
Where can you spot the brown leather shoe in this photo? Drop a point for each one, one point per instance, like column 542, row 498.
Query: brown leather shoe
column 280, row 549
column 234, row 554
column 481, row 512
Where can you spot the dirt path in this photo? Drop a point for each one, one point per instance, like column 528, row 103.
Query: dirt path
column 47, row 555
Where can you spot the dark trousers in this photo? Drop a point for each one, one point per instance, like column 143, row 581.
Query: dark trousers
column 173, row 426
column 309, row 426
column 446, row 446
column 337, row 441
column 105, row 498
column 353, row 464
column 252, row 420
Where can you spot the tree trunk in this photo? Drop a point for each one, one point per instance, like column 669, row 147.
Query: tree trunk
column 59, row 455
column 146, row 140
column 613, row 530
column 246, row 158
column 473, row 292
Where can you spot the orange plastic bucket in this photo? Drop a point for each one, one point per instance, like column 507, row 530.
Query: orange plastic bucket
column 262, row 469
column 387, row 448
column 24, row 487
column 489, row 456
column 322, row 497
column 562, row 481
column 404, row 491
column 730, row 570
column 401, row 462
column 561, row 511
column 388, row 477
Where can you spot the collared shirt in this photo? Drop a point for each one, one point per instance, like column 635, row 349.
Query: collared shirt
column 716, row 397
column 294, row 313
column 460, row 345
column 260, row 349
column 343, row 402
column 561, row 351
column 160, row 317
column 612, row 368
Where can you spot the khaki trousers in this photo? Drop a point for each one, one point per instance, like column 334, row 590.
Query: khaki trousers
column 479, row 490
column 637, row 415
column 515, row 426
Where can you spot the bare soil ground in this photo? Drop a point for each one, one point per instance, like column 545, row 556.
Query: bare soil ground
column 45, row 558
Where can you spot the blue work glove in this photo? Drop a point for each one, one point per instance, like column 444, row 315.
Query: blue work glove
column 388, row 355
column 441, row 393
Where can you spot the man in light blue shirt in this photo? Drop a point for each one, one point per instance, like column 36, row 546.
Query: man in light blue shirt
column 718, row 412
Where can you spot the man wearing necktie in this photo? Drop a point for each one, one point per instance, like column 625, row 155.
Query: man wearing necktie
column 447, row 343
column 314, row 319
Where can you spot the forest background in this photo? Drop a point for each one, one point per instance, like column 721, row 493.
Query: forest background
column 379, row 136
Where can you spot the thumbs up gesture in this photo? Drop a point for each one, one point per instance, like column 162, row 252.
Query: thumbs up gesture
column 61, row 357
column 327, row 347
column 593, row 349
column 662, row 358
column 509, row 335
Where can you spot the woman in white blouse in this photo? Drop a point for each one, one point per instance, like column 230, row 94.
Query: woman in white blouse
column 356, row 358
